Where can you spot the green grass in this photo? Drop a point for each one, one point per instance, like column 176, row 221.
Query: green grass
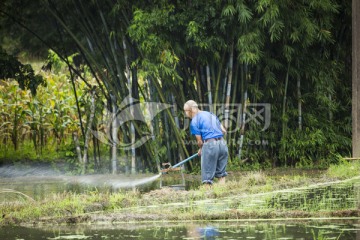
column 27, row 152
column 51, row 153
column 346, row 169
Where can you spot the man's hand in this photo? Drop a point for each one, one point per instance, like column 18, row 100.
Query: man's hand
column 199, row 152
column 223, row 129
column 199, row 141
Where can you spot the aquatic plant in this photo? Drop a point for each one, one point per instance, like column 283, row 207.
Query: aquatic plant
column 321, row 235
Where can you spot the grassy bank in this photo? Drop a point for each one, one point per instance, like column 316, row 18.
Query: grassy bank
column 278, row 193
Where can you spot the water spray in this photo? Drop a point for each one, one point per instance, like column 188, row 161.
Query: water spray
column 135, row 183
column 42, row 174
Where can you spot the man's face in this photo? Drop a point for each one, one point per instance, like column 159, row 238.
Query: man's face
column 187, row 111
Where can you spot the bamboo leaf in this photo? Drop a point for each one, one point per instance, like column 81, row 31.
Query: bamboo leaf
column 229, row 10
column 276, row 30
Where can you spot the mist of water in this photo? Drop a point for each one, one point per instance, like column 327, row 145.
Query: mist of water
column 114, row 181
column 24, row 175
column 22, row 171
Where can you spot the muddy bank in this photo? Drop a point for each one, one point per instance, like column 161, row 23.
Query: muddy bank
column 234, row 214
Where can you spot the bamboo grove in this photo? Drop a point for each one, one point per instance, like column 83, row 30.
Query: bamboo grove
column 277, row 73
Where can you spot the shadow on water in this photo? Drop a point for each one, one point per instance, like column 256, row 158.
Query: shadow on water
column 247, row 229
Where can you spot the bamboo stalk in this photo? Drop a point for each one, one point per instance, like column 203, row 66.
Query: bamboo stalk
column 228, row 89
column 218, row 79
column 284, row 122
column 198, row 84
column 114, row 137
column 242, row 129
column 132, row 127
column 299, row 103
column 88, row 130
column 77, row 147
column 209, row 87
column 153, row 127
column 234, row 101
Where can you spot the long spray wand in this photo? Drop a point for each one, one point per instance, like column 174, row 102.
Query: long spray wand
column 168, row 166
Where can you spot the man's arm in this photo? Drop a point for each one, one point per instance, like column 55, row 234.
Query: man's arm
column 199, row 143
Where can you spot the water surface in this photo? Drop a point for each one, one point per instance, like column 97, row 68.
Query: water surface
column 246, row 229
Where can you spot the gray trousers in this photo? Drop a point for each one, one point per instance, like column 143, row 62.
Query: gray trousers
column 214, row 158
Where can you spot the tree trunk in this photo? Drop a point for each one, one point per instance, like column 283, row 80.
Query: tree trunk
column 355, row 78
column 357, row 191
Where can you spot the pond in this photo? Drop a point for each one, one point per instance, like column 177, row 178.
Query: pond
column 38, row 183
column 17, row 182
column 247, row 229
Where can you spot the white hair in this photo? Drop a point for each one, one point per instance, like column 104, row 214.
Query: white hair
column 191, row 104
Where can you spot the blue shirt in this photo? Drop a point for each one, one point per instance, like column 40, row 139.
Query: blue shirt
column 206, row 124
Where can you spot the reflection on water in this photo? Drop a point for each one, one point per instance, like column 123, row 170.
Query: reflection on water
column 208, row 232
column 249, row 229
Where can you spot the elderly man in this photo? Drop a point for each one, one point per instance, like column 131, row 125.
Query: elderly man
column 209, row 134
